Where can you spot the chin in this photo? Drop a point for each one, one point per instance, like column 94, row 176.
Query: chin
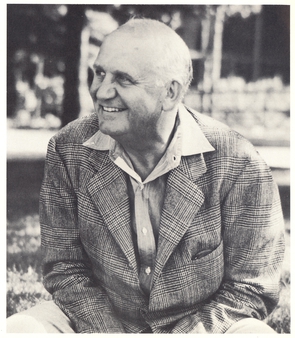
column 112, row 131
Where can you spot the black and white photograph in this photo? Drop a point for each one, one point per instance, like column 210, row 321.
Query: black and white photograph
column 148, row 168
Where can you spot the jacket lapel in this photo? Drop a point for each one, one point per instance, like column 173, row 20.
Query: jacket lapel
column 108, row 190
column 183, row 199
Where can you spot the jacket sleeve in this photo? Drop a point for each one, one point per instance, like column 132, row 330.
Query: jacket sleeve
column 253, row 236
column 66, row 267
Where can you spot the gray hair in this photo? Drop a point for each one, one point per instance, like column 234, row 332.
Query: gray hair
column 174, row 63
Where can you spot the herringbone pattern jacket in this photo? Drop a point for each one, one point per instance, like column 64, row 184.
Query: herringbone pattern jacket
column 220, row 243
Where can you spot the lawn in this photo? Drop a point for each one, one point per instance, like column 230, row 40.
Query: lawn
column 24, row 282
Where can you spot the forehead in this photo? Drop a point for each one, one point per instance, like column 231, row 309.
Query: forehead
column 125, row 52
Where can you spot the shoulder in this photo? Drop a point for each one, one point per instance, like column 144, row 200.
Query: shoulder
column 77, row 131
column 227, row 142
column 67, row 143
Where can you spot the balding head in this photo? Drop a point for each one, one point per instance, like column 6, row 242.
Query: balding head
column 168, row 53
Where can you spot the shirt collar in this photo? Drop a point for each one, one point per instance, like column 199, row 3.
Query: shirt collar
column 193, row 140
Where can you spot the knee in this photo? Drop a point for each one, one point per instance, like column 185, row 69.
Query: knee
column 250, row 325
column 20, row 323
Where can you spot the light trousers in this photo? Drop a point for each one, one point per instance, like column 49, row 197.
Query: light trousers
column 47, row 317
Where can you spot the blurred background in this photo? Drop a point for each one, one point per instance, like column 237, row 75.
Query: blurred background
column 241, row 60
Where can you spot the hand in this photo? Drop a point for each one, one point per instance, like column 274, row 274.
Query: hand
column 192, row 322
column 199, row 328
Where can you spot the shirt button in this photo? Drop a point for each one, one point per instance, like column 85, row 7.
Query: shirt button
column 141, row 186
column 147, row 270
column 144, row 231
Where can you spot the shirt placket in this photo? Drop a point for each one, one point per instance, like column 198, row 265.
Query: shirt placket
column 145, row 237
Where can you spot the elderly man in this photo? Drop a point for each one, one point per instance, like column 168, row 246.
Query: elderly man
column 154, row 218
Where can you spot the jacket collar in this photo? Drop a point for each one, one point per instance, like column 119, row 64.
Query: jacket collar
column 190, row 132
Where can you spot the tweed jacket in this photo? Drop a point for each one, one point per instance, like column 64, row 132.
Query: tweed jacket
column 220, row 244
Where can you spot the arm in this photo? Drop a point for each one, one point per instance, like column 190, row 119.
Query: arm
column 66, row 267
column 253, row 235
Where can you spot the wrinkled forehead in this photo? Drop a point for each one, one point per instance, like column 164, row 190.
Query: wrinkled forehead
column 134, row 49
column 129, row 42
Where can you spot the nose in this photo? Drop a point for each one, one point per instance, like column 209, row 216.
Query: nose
column 104, row 90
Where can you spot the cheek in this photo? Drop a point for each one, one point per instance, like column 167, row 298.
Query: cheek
column 142, row 104
column 145, row 115
column 93, row 88
column 92, row 91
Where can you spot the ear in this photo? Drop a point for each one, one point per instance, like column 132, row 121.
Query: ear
column 173, row 95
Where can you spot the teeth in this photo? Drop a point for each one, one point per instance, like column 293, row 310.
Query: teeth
column 112, row 110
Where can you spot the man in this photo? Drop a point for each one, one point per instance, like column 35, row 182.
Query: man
column 155, row 218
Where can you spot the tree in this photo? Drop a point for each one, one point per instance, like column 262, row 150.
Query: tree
column 31, row 29
column 74, row 21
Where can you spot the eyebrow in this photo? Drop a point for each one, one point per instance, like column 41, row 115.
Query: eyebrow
column 116, row 72
column 97, row 67
column 120, row 73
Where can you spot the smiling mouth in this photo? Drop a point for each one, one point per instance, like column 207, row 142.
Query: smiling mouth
column 112, row 109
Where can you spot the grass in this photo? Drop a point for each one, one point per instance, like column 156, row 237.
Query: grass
column 280, row 318
column 24, row 281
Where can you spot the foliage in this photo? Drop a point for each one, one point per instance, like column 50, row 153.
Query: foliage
column 24, row 290
column 280, row 319
column 52, row 32
column 259, row 110
column 35, row 28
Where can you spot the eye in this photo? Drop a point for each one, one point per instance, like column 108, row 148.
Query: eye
column 124, row 79
column 100, row 73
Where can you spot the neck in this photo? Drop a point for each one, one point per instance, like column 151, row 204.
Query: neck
column 146, row 152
